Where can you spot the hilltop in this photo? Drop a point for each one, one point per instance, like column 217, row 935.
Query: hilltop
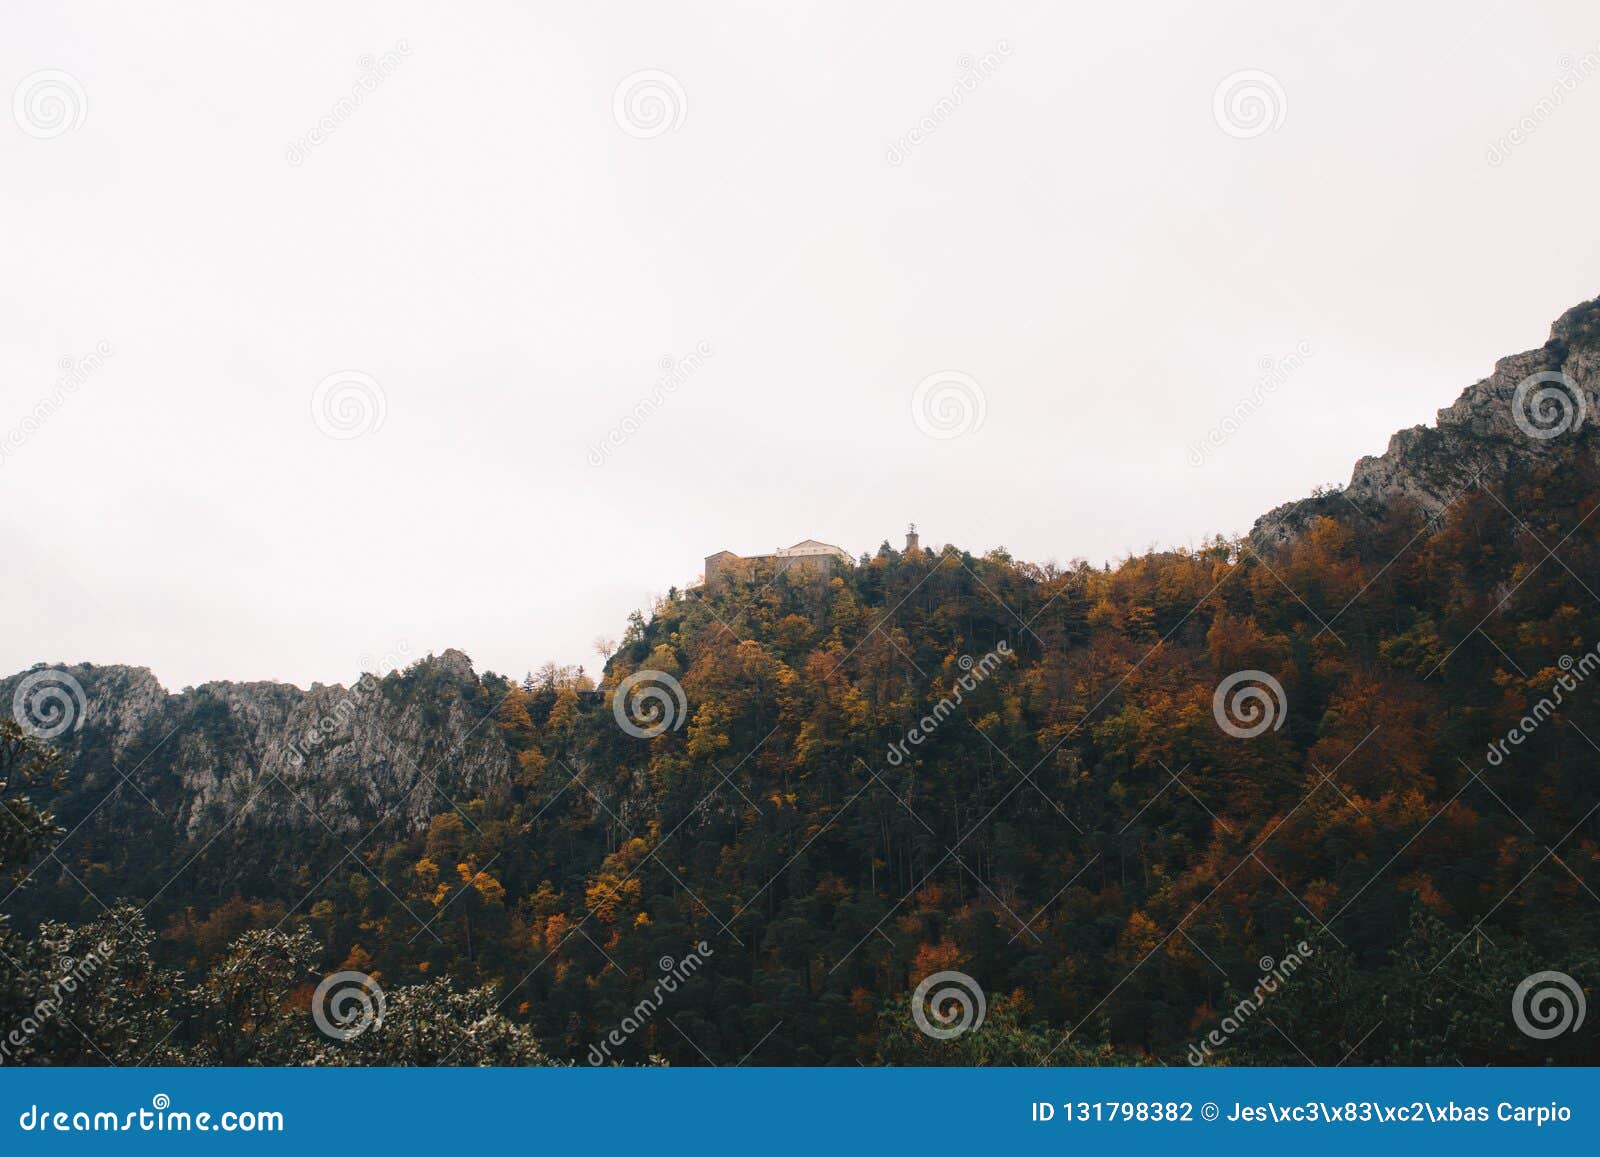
column 1106, row 795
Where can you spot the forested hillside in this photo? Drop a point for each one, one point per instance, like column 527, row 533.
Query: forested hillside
column 1115, row 797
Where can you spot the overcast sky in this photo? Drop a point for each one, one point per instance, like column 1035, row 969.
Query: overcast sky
column 1089, row 232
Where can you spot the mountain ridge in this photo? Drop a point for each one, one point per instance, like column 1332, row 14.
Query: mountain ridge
column 1478, row 434
column 936, row 761
column 1426, row 466
column 338, row 749
column 363, row 764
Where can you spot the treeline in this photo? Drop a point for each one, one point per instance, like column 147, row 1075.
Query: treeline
column 1083, row 829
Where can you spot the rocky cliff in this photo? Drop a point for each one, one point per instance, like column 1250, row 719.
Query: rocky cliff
column 338, row 758
column 1534, row 405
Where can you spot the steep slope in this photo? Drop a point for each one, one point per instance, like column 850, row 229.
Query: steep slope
column 1531, row 410
column 157, row 777
column 1046, row 780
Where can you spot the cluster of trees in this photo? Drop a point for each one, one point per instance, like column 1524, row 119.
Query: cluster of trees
column 1079, row 835
column 97, row 994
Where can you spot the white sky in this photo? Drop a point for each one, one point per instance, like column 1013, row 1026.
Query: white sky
column 484, row 240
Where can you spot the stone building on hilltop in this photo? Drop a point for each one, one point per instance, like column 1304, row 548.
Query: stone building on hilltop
column 809, row 555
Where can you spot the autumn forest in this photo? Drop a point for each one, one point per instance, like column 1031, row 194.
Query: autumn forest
column 1078, row 834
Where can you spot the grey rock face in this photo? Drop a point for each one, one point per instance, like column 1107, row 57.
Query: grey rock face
column 397, row 749
column 1534, row 404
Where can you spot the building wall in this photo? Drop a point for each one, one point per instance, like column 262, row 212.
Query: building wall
column 726, row 565
column 718, row 566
